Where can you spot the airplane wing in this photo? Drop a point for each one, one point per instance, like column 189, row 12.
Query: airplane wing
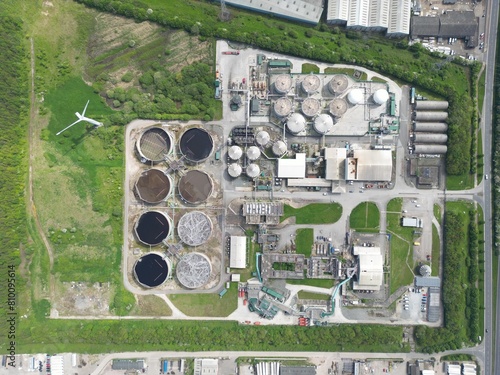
column 69, row 126
column 83, row 113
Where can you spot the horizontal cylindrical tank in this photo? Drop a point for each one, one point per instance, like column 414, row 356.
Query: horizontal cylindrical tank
column 430, row 149
column 430, row 138
column 431, row 105
column 430, row 127
column 431, row 116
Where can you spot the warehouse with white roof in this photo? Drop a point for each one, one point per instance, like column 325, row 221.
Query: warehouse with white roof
column 369, row 165
column 238, row 252
column 292, row 168
column 370, row 274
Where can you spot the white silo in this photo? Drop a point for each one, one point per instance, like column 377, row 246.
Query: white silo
column 279, row 148
column 380, row 97
column 253, row 170
column 234, row 170
column 323, row 123
column 235, row 152
column 355, row 96
column 296, row 123
column 253, row 153
column 262, row 138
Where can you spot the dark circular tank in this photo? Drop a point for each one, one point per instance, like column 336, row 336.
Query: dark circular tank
column 195, row 187
column 154, row 145
column 152, row 228
column 153, row 186
column 196, row 144
column 151, row 270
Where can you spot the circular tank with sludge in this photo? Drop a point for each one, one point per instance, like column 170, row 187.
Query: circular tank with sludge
column 195, row 187
column 154, row 145
column 153, row 186
column 152, row 227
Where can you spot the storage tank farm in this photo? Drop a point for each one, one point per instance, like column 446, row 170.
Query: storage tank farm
column 252, row 170
column 193, row 270
column 153, row 186
column 282, row 107
column 153, row 227
column 154, row 145
column 234, row 170
column 355, row 96
column 338, row 84
column 253, row 153
column 262, row 138
column 196, row 144
column 279, row 148
column 380, row 97
column 430, row 127
column 152, row 270
column 235, row 152
column 431, row 105
column 430, row 138
column 430, row 116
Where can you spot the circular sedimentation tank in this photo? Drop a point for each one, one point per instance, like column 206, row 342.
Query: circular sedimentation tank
column 380, row 96
column 253, row 153
column 154, row 145
column 152, row 227
column 323, row 123
column 194, row 228
column 253, row 170
column 153, row 186
column 193, row 270
column 283, row 83
column 151, row 270
column 338, row 84
column 296, row 123
column 311, row 83
column 195, row 187
column 282, row 107
column 355, row 96
column 196, row 144
column 235, row 152
column 262, row 138
column 310, row 107
column 279, row 148
column 234, row 170
column 338, row 107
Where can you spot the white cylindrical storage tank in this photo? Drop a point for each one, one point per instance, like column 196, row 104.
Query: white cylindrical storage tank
column 431, row 105
column 380, row 97
column 283, row 83
column 323, row 123
column 310, row 107
column 338, row 84
column 355, row 96
column 296, row 123
column 337, row 107
column 430, row 127
column 431, row 116
column 430, row 138
column 253, row 153
column 262, row 138
column 253, row 170
column 235, row 152
column 430, row 149
column 234, row 170
column 282, row 107
column 425, row 270
column 279, row 148
column 311, row 83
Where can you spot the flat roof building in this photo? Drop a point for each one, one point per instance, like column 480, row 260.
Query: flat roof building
column 206, row 366
column 335, row 160
column 238, row 252
column 399, row 18
column 370, row 268
column 369, row 165
column 412, row 222
column 292, row 168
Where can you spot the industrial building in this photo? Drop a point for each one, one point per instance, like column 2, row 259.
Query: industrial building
column 263, row 213
column 392, row 16
column 292, row 168
column 370, row 275
column 127, row 364
column 206, row 366
column 369, row 165
column 238, row 252
column 412, row 222
column 452, row 24
column 335, row 163
column 308, row 11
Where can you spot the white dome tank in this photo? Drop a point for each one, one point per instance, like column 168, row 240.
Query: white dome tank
column 235, row 152
column 234, row 170
column 279, row 148
column 262, row 138
column 380, row 96
column 355, row 96
column 296, row 123
column 323, row 123
column 253, row 153
column 253, row 170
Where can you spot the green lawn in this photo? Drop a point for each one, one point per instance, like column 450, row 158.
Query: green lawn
column 207, row 304
column 436, row 254
column 460, row 182
column 365, row 217
column 304, row 240
column 309, row 295
column 314, row 213
column 310, row 68
column 437, row 212
column 321, row 283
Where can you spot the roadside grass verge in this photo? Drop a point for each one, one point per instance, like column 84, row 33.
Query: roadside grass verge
column 480, row 157
column 207, row 304
column 436, row 254
column 314, row 213
column 480, row 264
column 481, row 85
column 437, row 212
column 304, row 239
column 365, row 217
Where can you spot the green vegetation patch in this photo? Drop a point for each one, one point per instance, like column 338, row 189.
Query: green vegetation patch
column 437, row 212
column 314, row 213
column 365, row 217
column 320, row 283
column 207, row 304
column 150, row 305
column 314, row 296
column 304, row 240
column 310, row 68
column 436, row 253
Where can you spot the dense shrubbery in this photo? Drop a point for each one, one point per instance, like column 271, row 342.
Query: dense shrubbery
column 496, row 158
column 459, row 133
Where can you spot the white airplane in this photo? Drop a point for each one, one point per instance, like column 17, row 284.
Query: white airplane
column 81, row 117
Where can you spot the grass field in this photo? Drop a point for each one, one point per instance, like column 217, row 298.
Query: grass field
column 207, row 304
column 149, row 305
column 314, row 213
column 251, row 249
column 321, row 283
column 309, row 295
column 309, row 68
column 460, row 182
column 304, row 239
column 365, row 217
column 480, row 260
column 436, row 254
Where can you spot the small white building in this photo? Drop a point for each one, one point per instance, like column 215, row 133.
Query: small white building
column 292, row 168
column 238, row 252
column 206, row 366
column 412, row 222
